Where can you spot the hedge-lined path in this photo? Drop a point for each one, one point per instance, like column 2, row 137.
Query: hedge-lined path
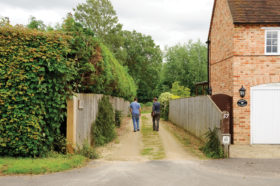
column 129, row 145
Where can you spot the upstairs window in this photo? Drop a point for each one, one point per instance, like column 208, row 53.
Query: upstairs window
column 272, row 42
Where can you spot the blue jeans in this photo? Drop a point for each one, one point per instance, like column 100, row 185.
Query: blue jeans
column 135, row 119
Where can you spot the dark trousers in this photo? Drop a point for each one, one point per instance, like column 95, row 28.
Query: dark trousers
column 156, row 118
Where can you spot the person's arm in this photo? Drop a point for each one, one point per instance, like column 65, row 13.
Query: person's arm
column 153, row 107
column 139, row 110
column 130, row 109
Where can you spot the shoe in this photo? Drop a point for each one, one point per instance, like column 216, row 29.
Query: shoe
column 138, row 129
column 134, row 130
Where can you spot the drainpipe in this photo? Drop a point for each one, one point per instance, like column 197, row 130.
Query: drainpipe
column 208, row 63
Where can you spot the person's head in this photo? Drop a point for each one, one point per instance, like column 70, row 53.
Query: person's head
column 155, row 99
column 135, row 99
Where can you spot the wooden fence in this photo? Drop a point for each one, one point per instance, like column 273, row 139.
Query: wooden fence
column 195, row 114
column 82, row 111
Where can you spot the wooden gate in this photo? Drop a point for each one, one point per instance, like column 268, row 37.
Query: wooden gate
column 224, row 102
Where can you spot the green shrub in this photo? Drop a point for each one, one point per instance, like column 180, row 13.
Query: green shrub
column 118, row 118
column 60, row 144
column 179, row 90
column 98, row 70
column 164, row 104
column 103, row 130
column 35, row 76
column 148, row 104
column 213, row 148
column 87, row 151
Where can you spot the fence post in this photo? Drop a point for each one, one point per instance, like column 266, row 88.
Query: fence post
column 225, row 133
column 71, row 124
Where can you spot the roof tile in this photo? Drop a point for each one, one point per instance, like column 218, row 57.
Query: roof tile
column 255, row 11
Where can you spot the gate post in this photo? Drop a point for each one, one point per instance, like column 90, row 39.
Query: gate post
column 71, row 124
column 225, row 130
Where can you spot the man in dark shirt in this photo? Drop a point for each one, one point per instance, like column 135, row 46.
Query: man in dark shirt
column 156, row 114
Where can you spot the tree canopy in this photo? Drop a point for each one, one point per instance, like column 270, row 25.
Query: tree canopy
column 186, row 64
column 144, row 60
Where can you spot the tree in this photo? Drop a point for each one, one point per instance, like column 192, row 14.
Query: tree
column 101, row 18
column 180, row 90
column 186, row 64
column 4, row 21
column 36, row 24
column 144, row 60
column 98, row 15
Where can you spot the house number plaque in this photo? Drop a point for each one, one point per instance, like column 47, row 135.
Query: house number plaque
column 242, row 103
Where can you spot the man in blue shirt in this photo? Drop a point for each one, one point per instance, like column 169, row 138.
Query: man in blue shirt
column 135, row 110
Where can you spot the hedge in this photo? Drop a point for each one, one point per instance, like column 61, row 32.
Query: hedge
column 39, row 71
column 34, row 84
column 98, row 70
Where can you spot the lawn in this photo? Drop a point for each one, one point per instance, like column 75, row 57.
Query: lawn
column 53, row 163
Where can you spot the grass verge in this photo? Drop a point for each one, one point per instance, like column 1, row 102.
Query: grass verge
column 152, row 145
column 191, row 143
column 53, row 163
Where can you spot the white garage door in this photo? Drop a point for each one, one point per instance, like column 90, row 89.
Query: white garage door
column 265, row 114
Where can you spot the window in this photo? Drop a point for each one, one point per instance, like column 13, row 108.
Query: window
column 272, row 43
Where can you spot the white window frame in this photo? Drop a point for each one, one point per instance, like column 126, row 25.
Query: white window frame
column 271, row 29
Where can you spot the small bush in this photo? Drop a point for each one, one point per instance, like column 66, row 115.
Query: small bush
column 103, row 130
column 164, row 104
column 148, row 104
column 213, row 148
column 118, row 118
column 60, row 144
column 87, row 151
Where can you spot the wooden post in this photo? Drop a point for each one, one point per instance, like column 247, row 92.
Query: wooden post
column 225, row 133
column 71, row 125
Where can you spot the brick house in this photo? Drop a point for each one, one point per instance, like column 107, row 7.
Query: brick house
column 244, row 49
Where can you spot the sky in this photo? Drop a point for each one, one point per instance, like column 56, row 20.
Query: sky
column 169, row 22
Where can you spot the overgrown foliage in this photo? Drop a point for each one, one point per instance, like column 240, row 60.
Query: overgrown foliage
column 164, row 104
column 35, row 76
column 36, row 24
column 136, row 51
column 144, row 60
column 179, row 90
column 87, row 151
column 100, row 17
column 186, row 64
column 213, row 148
column 103, row 130
column 97, row 69
column 118, row 118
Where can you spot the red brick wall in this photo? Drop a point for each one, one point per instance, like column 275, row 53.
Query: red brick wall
column 237, row 58
column 251, row 67
column 221, row 49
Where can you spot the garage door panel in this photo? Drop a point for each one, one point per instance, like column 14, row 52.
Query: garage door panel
column 265, row 114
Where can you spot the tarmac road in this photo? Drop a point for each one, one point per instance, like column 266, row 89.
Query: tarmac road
column 233, row 172
column 123, row 165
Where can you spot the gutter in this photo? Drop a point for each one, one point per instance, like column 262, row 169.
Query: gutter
column 208, row 63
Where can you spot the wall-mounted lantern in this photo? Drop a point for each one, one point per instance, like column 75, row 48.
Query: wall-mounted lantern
column 242, row 92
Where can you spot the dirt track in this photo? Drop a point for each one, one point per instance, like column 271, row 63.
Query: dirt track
column 129, row 144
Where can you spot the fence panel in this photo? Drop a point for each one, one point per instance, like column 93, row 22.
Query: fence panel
column 82, row 111
column 195, row 114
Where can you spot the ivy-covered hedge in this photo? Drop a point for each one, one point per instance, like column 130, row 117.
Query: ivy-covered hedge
column 34, row 84
column 38, row 71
